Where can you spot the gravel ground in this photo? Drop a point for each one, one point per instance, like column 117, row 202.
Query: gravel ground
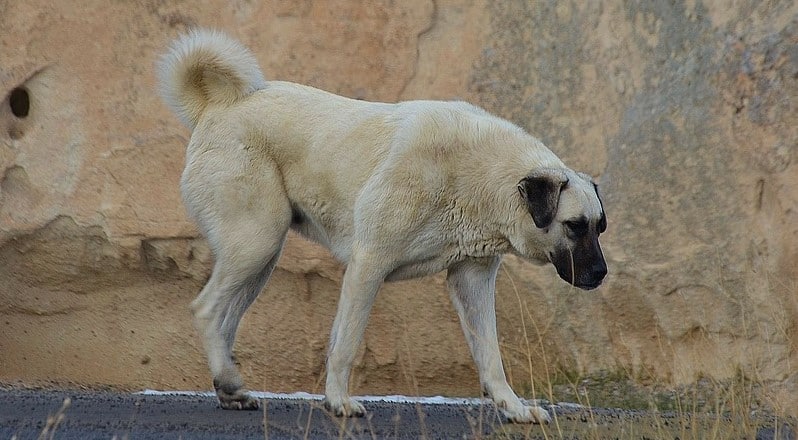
column 33, row 414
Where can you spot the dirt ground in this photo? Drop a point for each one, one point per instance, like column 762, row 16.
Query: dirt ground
column 77, row 313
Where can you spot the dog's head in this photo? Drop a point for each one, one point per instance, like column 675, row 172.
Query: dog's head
column 566, row 208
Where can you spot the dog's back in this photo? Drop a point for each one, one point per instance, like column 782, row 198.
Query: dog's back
column 324, row 147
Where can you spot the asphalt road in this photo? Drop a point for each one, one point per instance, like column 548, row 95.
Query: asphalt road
column 41, row 414
column 103, row 415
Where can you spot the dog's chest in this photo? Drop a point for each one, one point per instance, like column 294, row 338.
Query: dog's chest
column 440, row 259
column 418, row 269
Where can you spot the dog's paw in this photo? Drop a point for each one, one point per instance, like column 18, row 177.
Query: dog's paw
column 528, row 414
column 239, row 400
column 346, row 407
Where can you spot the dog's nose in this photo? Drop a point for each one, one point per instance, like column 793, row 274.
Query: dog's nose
column 599, row 270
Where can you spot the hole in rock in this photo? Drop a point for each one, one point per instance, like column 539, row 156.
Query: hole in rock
column 19, row 100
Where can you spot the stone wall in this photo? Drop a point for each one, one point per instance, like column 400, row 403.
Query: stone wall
column 684, row 111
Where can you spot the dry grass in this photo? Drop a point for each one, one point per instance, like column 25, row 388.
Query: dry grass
column 623, row 405
column 53, row 421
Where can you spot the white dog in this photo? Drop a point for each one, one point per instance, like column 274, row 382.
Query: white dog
column 395, row 191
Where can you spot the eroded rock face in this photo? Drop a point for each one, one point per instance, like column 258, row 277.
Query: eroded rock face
column 685, row 114
column 682, row 113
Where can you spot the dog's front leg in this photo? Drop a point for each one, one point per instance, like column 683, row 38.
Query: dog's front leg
column 472, row 287
column 360, row 286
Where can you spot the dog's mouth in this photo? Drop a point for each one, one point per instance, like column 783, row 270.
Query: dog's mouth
column 565, row 274
column 588, row 286
column 584, row 285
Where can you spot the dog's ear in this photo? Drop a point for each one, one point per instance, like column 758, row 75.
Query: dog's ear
column 541, row 192
column 602, row 223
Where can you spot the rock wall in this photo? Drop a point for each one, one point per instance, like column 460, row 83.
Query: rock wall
column 684, row 111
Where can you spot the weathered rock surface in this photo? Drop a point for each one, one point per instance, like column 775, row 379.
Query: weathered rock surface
column 685, row 113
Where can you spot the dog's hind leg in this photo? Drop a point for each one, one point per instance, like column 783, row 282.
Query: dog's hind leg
column 472, row 287
column 246, row 231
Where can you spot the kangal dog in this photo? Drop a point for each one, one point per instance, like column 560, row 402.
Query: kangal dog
column 395, row 191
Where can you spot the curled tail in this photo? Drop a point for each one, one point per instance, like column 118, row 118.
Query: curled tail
column 205, row 68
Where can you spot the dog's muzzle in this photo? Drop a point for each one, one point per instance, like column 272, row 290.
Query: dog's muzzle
column 585, row 270
column 597, row 274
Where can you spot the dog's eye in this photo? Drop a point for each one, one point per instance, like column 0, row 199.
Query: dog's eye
column 577, row 227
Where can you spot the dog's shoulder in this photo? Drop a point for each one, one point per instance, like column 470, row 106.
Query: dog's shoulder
column 457, row 131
